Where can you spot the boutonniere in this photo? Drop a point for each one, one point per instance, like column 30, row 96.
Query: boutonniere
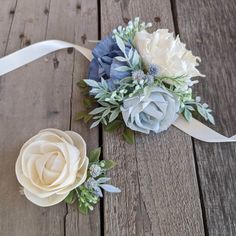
column 54, row 166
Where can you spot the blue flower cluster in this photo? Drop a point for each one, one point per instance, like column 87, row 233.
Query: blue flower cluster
column 104, row 64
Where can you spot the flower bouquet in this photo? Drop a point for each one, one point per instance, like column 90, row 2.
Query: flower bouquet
column 141, row 81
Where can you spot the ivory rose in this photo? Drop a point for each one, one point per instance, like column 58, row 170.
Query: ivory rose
column 168, row 53
column 50, row 165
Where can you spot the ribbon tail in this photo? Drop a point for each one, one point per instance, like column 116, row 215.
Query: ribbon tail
column 36, row 51
column 201, row 132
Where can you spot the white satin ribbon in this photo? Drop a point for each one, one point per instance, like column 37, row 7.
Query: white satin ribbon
column 33, row 52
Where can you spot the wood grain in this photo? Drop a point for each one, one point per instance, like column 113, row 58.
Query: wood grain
column 30, row 99
column 157, row 177
column 86, row 15
column 209, row 29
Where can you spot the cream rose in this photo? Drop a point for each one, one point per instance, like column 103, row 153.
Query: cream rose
column 171, row 56
column 50, row 165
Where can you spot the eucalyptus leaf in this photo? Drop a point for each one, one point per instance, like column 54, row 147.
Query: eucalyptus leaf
column 136, row 58
column 120, row 43
column 110, row 188
column 114, row 115
column 91, row 83
column 94, row 124
column 130, row 54
column 103, row 180
column 97, row 110
column 187, row 115
column 114, row 125
column 128, row 135
column 211, row 118
column 123, row 68
column 122, row 59
column 71, row 197
column 94, row 155
column 108, row 164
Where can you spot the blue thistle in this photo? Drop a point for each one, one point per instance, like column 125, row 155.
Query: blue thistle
column 153, row 70
column 138, row 75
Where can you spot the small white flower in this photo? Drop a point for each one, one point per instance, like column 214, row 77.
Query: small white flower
column 169, row 54
column 95, row 170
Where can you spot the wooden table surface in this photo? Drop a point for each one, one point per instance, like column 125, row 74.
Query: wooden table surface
column 171, row 184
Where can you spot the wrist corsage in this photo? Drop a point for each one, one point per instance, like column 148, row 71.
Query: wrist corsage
column 53, row 166
column 141, row 81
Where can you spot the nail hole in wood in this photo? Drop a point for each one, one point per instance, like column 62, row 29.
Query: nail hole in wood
column 27, row 42
column 46, row 11
column 70, row 50
column 126, row 20
column 84, row 38
column 78, row 6
column 12, row 12
column 21, row 36
column 157, row 19
column 55, row 62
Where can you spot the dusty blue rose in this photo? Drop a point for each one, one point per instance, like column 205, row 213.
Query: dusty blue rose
column 155, row 112
column 104, row 63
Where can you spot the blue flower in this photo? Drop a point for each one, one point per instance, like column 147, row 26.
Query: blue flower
column 153, row 70
column 104, row 63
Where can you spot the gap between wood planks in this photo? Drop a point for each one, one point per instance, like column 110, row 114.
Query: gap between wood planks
column 177, row 32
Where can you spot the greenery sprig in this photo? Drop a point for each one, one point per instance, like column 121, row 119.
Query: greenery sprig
column 89, row 193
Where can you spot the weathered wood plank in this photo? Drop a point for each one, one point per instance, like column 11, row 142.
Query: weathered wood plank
column 157, row 174
column 30, row 99
column 7, row 14
column 209, row 28
column 39, row 96
column 86, row 27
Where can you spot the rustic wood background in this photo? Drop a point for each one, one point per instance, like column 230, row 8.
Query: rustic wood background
column 171, row 184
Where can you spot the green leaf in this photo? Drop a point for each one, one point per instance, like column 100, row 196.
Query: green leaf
column 202, row 111
column 87, row 102
column 130, row 53
column 108, row 164
column 211, row 118
column 83, row 209
column 94, row 124
column 87, row 118
column 136, row 58
column 128, row 136
column 97, row 110
column 71, row 197
column 189, row 107
column 91, row 83
column 82, row 84
column 80, row 115
column 123, row 68
column 120, row 44
column 114, row 125
column 187, row 115
column 122, row 59
column 114, row 115
column 94, row 155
